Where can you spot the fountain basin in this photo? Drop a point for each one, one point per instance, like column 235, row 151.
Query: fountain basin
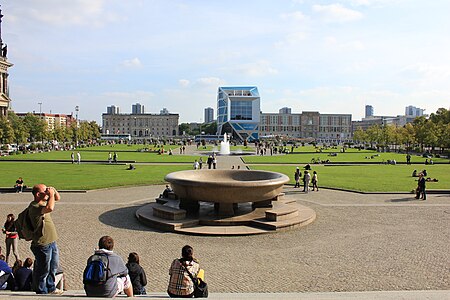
column 227, row 186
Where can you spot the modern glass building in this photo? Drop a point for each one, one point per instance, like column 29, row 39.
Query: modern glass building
column 238, row 112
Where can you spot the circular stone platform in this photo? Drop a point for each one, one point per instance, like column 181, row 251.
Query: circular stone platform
column 284, row 214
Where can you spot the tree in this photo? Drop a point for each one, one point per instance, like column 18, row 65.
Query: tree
column 20, row 131
column 360, row 135
column 35, row 126
column 6, row 131
column 374, row 135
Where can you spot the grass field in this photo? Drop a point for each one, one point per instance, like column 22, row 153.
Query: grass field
column 373, row 178
column 103, row 156
column 370, row 178
column 84, row 176
column 304, row 158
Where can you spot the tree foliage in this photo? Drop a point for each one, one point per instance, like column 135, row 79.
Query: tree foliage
column 432, row 133
column 32, row 128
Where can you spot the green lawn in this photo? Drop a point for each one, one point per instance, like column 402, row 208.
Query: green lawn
column 123, row 147
column 84, row 176
column 304, row 158
column 103, row 156
column 232, row 148
column 373, row 178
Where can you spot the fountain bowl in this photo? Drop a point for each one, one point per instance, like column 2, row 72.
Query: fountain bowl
column 227, row 186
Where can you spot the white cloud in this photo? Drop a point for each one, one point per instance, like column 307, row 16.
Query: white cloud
column 295, row 16
column 184, row 82
column 333, row 42
column 132, row 63
column 256, row 69
column 210, row 81
column 336, row 13
column 64, row 13
column 426, row 75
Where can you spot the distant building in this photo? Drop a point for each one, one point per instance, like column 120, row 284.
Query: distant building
column 327, row 128
column 209, row 115
column 369, row 111
column 285, row 110
column 141, row 126
column 113, row 110
column 238, row 112
column 412, row 111
column 52, row 119
column 137, row 109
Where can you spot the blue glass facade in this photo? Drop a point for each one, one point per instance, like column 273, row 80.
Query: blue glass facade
column 238, row 112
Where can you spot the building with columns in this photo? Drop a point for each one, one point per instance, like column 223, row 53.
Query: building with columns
column 4, row 65
column 140, row 126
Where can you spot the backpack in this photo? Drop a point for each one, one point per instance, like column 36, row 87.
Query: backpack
column 97, row 271
column 24, row 227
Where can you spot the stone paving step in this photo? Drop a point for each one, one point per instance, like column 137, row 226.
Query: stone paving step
column 366, row 295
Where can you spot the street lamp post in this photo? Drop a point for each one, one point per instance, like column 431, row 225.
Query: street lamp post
column 77, row 109
column 40, row 109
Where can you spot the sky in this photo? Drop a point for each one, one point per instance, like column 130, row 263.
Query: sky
column 326, row 56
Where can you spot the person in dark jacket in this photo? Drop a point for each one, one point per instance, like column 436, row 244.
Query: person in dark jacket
column 23, row 276
column 137, row 274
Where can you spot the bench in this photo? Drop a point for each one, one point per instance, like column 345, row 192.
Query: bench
column 168, row 212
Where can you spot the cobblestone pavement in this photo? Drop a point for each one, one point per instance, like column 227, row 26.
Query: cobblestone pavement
column 358, row 243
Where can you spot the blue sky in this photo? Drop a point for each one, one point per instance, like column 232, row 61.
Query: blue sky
column 326, row 56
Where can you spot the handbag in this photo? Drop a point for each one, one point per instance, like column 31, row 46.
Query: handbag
column 200, row 287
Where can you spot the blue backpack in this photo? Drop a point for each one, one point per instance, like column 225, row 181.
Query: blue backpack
column 97, row 270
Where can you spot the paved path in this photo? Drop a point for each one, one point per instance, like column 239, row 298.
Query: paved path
column 358, row 243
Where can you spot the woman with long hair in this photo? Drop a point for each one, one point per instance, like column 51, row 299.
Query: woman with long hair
column 180, row 283
column 12, row 240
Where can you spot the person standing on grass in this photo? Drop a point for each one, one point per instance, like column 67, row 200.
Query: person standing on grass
column 78, row 157
column 72, row 157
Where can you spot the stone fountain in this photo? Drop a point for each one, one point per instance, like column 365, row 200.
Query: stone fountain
column 225, row 202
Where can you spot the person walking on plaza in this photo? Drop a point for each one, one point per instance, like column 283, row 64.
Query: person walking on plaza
column 214, row 161
column 422, row 186
column 180, row 283
column 306, row 179
column 297, row 176
column 209, row 161
column 43, row 245
column 200, row 163
column 196, row 165
column 314, row 181
column 11, row 240
column 117, row 278
column 137, row 274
